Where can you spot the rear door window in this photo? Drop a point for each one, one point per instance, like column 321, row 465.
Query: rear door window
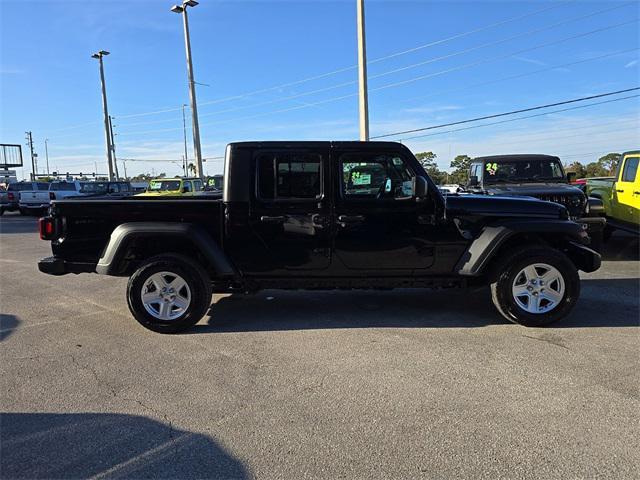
column 289, row 175
column 43, row 186
column 630, row 169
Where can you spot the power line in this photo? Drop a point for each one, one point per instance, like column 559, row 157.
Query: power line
column 500, row 57
column 352, row 67
column 512, row 112
column 520, row 75
column 521, row 118
column 396, row 84
column 389, row 72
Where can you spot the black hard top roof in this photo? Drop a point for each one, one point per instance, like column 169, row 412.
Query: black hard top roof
column 516, row 157
column 318, row 143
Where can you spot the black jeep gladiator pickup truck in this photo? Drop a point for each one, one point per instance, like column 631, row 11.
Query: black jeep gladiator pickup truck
column 321, row 215
column 542, row 177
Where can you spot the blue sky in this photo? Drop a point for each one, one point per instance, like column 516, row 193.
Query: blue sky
column 447, row 61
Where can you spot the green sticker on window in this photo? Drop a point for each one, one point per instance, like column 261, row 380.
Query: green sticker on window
column 358, row 178
column 492, row 168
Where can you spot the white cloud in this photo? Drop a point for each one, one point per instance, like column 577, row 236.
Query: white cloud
column 632, row 63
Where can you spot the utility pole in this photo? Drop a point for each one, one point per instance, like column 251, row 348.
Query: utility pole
column 46, row 153
column 33, row 158
column 124, row 165
column 184, row 129
column 192, row 87
column 107, row 135
column 363, row 100
column 113, row 149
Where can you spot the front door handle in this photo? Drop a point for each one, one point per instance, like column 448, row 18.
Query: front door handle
column 344, row 220
column 273, row 219
column 636, row 193
column 619, row 190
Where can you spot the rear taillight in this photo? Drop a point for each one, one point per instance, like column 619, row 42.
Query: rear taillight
column 47, row 228
column 11, row 196
column 52, row 196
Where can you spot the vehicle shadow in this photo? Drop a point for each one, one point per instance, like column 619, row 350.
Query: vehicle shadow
column 622, row 247
column 8, row 324
column 43, row 445
column 603, row 303
column 18, row 224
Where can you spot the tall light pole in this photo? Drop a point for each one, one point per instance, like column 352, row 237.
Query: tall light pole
column 107, row 134
column 33, row 158
column 184, row 129
column 46, row 152
column 192, row 88
column 113, row 148
column 363, row 100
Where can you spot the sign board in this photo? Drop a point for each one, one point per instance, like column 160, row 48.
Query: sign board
column 10, row 155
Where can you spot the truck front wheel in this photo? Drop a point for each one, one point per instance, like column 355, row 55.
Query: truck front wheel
column 169, row 293
column 535, row 286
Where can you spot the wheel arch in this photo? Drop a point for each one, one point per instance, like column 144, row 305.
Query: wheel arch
column 494, row 241
column 132, row 243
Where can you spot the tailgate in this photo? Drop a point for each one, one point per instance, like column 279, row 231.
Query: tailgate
column 34, row 197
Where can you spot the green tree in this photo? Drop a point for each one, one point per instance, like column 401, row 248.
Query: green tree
column 579, row 169
column 428, row 162
column 609, row 162
column 460, row 165
column 595, row 169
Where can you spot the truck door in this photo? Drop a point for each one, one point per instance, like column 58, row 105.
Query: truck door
column 379, row 224
column 627, row 191
column 289, row 216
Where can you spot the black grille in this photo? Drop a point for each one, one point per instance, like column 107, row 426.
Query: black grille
column 574, row 207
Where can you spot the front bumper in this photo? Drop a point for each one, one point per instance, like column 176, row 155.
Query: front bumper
column 592, row 224
column 58, row 266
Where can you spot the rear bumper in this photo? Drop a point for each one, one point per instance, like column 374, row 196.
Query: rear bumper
column 9, row 206
column 34, row 206
column 58, row 266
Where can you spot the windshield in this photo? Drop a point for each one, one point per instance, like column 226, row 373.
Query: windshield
column 522, row 170
column 94, row 187
column 164, row 185
column 20, row 187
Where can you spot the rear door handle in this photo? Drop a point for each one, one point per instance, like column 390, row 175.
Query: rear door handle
column 619, row 190
column 273, row 219
column 345, row 220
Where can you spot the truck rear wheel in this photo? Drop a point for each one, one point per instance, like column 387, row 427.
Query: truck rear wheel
column 535, row 286
column 169, row 293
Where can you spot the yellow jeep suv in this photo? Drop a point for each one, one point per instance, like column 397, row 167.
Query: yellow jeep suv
column 167, row 187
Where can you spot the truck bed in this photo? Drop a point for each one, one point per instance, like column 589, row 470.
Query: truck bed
column 88, row 223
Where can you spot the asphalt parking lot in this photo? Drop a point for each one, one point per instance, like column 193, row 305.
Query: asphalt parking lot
column 403, row 384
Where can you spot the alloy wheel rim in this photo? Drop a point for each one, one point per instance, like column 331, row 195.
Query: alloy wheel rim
column 538, row 288
column 166, row 296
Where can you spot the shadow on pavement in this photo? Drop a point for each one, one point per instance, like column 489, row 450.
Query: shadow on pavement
column 18, row 224
column 603, row 303
column 622, row 247
column 8, row 324
column 107, row 445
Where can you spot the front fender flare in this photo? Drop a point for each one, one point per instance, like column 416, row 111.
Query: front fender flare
column 483, row 249
column 123, row 234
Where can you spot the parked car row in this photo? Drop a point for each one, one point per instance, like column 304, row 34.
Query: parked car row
column 35, row 197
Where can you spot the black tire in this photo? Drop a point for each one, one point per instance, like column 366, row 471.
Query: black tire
column 23, row 211
column 504, row 276
column 197, row 280
column 1, row 211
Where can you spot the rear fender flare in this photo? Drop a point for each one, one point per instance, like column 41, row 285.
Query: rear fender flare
column 123, row 234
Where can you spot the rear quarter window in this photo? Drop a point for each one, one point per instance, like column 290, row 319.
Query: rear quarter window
column 63, row 186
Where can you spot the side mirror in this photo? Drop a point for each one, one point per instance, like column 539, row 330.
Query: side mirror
column 421, row 187
column 473, row 181
column 571, row 177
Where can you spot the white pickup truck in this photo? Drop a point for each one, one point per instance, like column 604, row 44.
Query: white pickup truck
column 37, row 200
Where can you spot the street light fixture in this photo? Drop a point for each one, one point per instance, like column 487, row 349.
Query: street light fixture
column 182, row 9
column 107, row 132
